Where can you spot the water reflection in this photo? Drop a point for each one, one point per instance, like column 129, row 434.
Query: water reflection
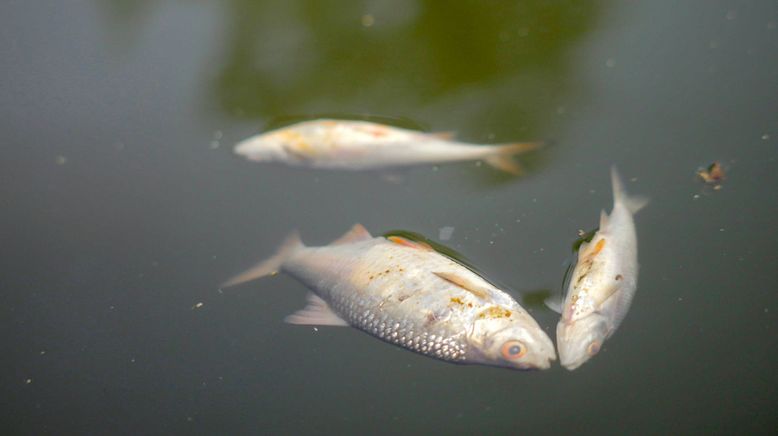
column 496, row 73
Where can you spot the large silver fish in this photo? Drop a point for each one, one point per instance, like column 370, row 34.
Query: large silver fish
column 362, row 145
column 407, row 294
column 603, row 282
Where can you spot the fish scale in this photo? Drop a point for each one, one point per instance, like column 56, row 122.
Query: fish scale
column 373, row 310
column 401, row 332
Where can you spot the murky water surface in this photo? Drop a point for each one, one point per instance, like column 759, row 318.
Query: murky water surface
column 123, row 208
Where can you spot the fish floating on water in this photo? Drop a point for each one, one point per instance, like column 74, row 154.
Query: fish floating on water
column 362, row 145
column 602, row 283
column 404, row 292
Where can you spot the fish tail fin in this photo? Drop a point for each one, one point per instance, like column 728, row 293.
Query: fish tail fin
column 633, row 202
column 269, row 266
column 502, row 156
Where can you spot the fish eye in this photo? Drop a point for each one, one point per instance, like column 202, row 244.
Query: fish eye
column 593, row 348
column 513, row 350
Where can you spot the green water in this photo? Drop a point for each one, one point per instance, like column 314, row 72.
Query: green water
column 123, row 208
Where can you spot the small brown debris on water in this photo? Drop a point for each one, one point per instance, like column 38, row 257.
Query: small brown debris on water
column 714, row 174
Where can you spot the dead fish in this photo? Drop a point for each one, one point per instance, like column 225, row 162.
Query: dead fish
column 603, row 282
column 362, row 145
column 405, row 293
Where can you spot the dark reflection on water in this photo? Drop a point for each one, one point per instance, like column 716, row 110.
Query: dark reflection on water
column 311, row 54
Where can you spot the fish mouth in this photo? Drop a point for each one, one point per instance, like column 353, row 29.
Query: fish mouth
column 540, row 364
column 572, row 366
column 530, row 367
column 242, row 148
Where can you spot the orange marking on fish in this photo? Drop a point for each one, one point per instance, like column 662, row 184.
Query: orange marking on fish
column 408, row 243
column 599, row 247
column 494, row 312
column 378, row 132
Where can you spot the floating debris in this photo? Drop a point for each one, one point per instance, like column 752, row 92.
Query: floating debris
column 712, row 175
column 198, row 305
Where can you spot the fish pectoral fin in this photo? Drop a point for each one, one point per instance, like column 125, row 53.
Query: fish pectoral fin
column 602, row 297
column 317, row 312
column 554, row 302
column 468, row 285
column 357, row 233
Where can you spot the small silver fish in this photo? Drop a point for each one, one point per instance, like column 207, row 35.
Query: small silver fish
column 361, row 145
column 407, row 294
column 603, row 282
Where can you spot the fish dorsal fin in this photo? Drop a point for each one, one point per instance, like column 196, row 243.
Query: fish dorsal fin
column 479, row 291
column 408, row 243
column 447, row 135
column 603, row 219
column 317, row 312
column 357, row 233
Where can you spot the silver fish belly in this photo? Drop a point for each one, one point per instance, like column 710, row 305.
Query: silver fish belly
column 407, row 294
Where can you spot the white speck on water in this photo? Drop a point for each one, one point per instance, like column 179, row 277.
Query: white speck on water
column 316, row 329
column 766, row 310
column 61, row 160
column 696, row 196
column 111, row 307
column 765, row 136
column 198, row 305
column 28, row 381
column 132, row 360
column 721, row 229
column 680, row 299
column 731, row 15
column 445, row 233
column 367, row 20
column 610, row 63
